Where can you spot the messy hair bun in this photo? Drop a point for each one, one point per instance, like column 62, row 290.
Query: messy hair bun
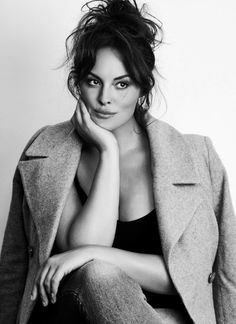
column 121, row 25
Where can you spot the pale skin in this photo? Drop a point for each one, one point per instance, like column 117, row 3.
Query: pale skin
column 107, row 172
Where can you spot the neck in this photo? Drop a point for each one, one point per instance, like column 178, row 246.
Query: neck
column 129, row 136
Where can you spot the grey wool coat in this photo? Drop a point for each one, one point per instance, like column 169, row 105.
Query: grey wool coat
column 196, row 220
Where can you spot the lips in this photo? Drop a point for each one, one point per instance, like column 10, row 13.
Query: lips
column 102, row 115
column 105, row 113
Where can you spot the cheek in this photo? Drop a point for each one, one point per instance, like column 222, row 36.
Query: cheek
column 128, row 100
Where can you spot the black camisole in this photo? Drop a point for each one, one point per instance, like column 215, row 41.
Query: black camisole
column 141, row 236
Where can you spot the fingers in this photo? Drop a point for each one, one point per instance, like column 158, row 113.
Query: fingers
column 83, row 114
column 82, row 121
column 46, row 284
column 42, row 287
column 52, row 281
column 85, row 126
column 55, row 281
column 77, row 119
column 78, row 115
column 36, row 291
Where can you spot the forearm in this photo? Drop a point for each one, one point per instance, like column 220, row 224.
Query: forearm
column 147, row 269
column 96, row 222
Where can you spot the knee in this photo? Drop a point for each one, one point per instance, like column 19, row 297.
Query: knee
column 101, row 276
column 99, row 272
column 98, row 275
column 91, row 274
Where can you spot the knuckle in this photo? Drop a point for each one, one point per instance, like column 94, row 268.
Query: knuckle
column 54, row 281
column 47, row 283
column 49, row 260
column 46, row 265
column 86, row 128
column 42, row 293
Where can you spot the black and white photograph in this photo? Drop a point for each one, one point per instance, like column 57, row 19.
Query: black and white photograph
column 118, row 163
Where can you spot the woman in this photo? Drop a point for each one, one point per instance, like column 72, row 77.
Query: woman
column 117, row 217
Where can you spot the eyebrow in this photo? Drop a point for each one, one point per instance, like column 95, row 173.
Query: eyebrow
column 117, row 78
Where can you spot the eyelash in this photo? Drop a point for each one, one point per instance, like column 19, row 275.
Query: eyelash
column 124, row 82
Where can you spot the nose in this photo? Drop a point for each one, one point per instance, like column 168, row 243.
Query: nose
column 105, row 96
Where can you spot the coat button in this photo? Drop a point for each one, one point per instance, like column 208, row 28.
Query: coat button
column 30, row 251
column 211, row 277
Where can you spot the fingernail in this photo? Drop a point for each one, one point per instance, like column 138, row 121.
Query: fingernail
column 53, row 298
column 44, row 303
column 32, row 296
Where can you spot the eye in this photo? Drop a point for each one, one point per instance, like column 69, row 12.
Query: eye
column 92, row 82
column 122, row 85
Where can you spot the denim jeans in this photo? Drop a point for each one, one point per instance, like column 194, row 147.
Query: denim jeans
column 100, row 293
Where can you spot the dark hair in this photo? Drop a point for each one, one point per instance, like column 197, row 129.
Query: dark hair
column 121, row 25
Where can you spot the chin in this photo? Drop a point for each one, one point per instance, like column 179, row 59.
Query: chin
column 105, row 123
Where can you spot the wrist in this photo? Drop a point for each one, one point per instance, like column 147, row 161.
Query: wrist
column 111, row 154
column 111, row 147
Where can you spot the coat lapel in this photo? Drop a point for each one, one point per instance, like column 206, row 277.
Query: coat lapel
column 177, row 195
column 52, row 163
column 175, row 183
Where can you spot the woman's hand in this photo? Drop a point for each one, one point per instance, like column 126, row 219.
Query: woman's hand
column 92, row 133
column 54, row 269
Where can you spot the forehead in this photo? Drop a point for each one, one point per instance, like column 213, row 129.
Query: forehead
column 109, row 63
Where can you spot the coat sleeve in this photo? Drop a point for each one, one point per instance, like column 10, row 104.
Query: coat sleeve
column 14, row 254
column 224, row 285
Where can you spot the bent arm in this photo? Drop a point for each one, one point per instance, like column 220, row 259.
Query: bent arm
column 147, row 269
column 95, row 221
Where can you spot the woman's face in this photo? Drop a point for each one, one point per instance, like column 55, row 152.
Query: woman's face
column 109, row 88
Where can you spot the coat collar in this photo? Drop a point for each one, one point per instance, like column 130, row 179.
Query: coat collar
column 52, row 162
